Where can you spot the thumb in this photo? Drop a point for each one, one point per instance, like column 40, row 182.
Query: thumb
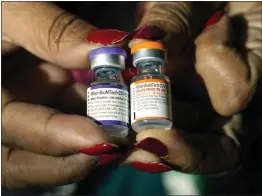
column 52, row 33
column 230, row 81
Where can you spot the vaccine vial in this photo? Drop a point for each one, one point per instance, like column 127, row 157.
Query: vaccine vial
column 150, row 90
column 107, row 96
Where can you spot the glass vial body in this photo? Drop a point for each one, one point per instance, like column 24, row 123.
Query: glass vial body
column 150, row 94
column 108, row 100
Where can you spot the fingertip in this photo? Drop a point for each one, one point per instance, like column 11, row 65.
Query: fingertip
column 214, row 19
column 153, row 145
column 140, row 155
column 68, row 133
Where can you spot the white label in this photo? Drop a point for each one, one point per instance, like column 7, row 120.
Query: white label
column 150, row 99
column 108, row 104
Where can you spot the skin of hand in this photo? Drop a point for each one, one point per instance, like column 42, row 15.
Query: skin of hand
column 44, row 140
column 210, row 90
column 37, row 136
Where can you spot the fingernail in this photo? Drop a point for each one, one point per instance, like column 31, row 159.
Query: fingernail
column 106, row 36
column 214, row 19
column 151, row 167
column 153, row 145
column 150, row 32
column 107, row 158
column 98, row 149
column 128, row 74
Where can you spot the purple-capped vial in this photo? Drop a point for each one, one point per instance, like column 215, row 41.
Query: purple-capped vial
column 107, row 96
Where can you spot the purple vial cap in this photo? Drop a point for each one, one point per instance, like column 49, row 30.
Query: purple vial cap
column 107, row 50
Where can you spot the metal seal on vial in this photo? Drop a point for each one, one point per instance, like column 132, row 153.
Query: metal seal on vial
column 105, row 57
column 148, row 51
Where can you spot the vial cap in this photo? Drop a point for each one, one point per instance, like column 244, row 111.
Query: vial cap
column 107, row 57
column 148, row 51
column 107, row 50
column 147, row 45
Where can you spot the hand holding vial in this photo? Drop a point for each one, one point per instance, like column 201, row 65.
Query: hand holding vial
column 214, row 81
column 212, row 92
column 46, row 138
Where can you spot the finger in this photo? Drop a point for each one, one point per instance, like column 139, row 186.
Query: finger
column 22, row 169
column 142, row 156
column 37, row 84
column 72, row 99
column 241, row 7
column 230, row 82
column 25, row 124
column 54, row 34
column 176, row 21
column 54, row 87
column 190, row 153
column 248, row 25
column 141, row 8
column 7, row 47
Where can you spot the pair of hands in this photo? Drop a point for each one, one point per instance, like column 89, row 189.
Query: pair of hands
column 42, row 129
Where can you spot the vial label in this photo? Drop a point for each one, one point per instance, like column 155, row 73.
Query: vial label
column 150, row 99
column 108, row 104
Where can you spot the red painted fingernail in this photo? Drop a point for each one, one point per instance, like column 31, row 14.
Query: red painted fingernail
column 98, row 149
column 214, row 18
column 106, row 36
column 151, row 167
column 107, row 158
column 150, row 32
column 128, row 74
column 153, row 145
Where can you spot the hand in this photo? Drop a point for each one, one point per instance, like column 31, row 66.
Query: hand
column 43, row 137
column 209, row 97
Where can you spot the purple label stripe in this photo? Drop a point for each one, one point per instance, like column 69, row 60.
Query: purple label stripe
column 109, row 86
column 113, row 122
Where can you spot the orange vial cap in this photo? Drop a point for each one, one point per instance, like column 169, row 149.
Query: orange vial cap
column 147, row 45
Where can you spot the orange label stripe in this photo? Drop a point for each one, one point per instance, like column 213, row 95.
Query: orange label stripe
column 150, row 80
column 152, row 117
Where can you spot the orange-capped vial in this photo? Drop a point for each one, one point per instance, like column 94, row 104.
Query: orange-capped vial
column 150, row 90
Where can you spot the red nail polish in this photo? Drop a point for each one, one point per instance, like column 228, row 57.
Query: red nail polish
column 153, row 33
column 107, row 158
column 128, row 74
column 214, row 18
column 106, row 36
column 153, row 145
column 151, row 167
column 98, row 149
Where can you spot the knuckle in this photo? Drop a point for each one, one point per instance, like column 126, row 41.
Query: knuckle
column 73, row 168
column 7, row 101
column 59, row 31
column 6, row 177
column 8, row 170
column 236, row 99
column 48, row 139
column 57, row 75
column 162, row 12
column 193, row 164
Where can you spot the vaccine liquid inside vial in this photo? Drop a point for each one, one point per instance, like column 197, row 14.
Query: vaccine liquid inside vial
column 108, row 105
column 151, row 102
